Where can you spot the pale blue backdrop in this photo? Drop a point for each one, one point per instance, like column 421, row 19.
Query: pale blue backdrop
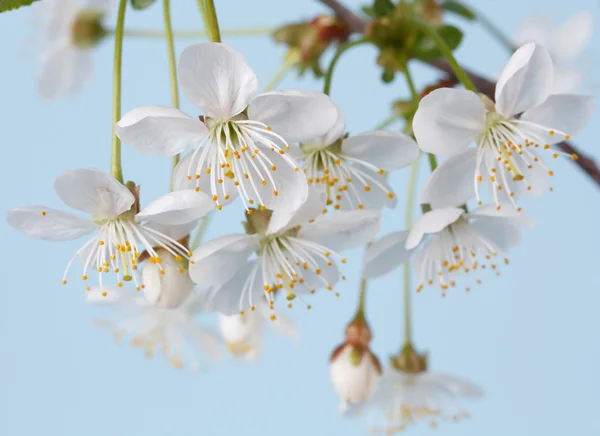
column 529, row 338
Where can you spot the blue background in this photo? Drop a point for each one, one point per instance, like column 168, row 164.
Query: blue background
column 529, row 337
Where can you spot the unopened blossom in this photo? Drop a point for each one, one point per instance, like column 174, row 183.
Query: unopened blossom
column 120, row 232
column 513, row 137
column 240, row 142
column 408, row 393
column 447, row 243
column 291, row 255
column 68, row 29
column 243, row 332
column 350, row 170
column 355, row 370
column 565, row 43
column 155, row 327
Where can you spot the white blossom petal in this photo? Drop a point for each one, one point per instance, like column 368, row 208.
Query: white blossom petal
column 454, row 385
column 385, row 255
column 333, row 134
column 217, row 79
column 227, row 298
column 298, row 116
column 44, row 223
column 452, row 183
column 282, row 220
column 283, row 325
column 160, row 130
column 433, row 221
column 526, row 80
column 343, row 230
column 537, row 28
column 92, row 191
column 216, row 262
column 448, row 120
column 567, row 80
column 177, row 208
column 568, row 113
column 383, row 149
column 573, row 36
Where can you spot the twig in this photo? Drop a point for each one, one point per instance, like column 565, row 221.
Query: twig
column 358, row 24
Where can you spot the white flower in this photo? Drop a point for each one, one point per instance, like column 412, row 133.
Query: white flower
column 293, row 252
column 355, row 370
column 152, row 327
column 241, row 140
column 350, row 169
column 120, row 236
column 509, row 136
column 565, row 44
column 243, row 333
column 458, row 243
column 404, row 399
column 69, row 29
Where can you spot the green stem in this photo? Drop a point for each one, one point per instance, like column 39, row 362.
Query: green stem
column 143, row 33
column 360, row 311
column 211, row 23
column 447, row 53
column 387, row 122
column 432, row 162
column 289, row 63
column 115, row 165
column 494, row 31
column 172, row 66
column 340, row 51
column 411, row 86
column 408, row 222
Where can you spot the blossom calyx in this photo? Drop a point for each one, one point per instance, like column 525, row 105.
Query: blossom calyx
column 87, row 30
column 409, row 361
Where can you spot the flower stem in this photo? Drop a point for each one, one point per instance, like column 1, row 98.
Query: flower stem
column 360, row 311
column 288, row 64
column 408, row 221
column 340, row 51
column 432, row 162
column 494, row 31
column 172, row 66
column 143, row 33
column 115, row 165
column 447, row 53
column 211, row 23
column 387, row 122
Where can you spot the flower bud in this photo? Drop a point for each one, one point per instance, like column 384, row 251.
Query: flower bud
column 87, row 30
column 355, row 370
column 166, row 284
column 242, row 334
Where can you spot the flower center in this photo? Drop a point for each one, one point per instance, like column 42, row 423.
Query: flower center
column 241, row 151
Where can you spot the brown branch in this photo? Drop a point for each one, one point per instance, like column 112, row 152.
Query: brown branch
column 358, row 24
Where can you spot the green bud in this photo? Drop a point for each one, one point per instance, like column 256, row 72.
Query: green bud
column 388, row 76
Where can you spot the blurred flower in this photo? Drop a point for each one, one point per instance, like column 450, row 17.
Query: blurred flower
column 294, row 252
column 336, row 163
column 565, row 44
column 308, row 40
column 243, row 333
column 239, row 141
column 69, row 28
column 116, row 223
column 355, row 370
column 458, row 242
column 154, row 326
column 525, row 117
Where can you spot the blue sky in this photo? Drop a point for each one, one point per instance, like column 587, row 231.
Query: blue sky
column 528, row 338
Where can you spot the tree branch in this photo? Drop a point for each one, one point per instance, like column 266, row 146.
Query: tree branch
column 358, row 24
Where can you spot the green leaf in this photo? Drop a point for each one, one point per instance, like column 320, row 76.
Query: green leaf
column 8, row 5
column 141, row 4
column 425, row 49
column 379, row 8
column 459, row 9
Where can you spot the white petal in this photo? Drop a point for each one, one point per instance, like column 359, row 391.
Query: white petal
column 448, row 120
column 501, row 233
column 284, row 326
column 567, row 80
column 354, row 383
column 296, row 115
column 169, row 289
column 383, row 149
column 333, row 134
column 573, row 36
column 432, row 222
column 385, row 255
column 454, row 385
column 568, row 113
column 160, row 130
column 177, row 208
column 537, row 28
column 343, row 230
column 59, row 72
column 227, row 298
column 216, row 261
column 49, row 224
column 376, row 197
column 92, row 191
column 282, row 220
column 175, row 232
column 217, row 79
column 452, row 183
column 526, row 80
